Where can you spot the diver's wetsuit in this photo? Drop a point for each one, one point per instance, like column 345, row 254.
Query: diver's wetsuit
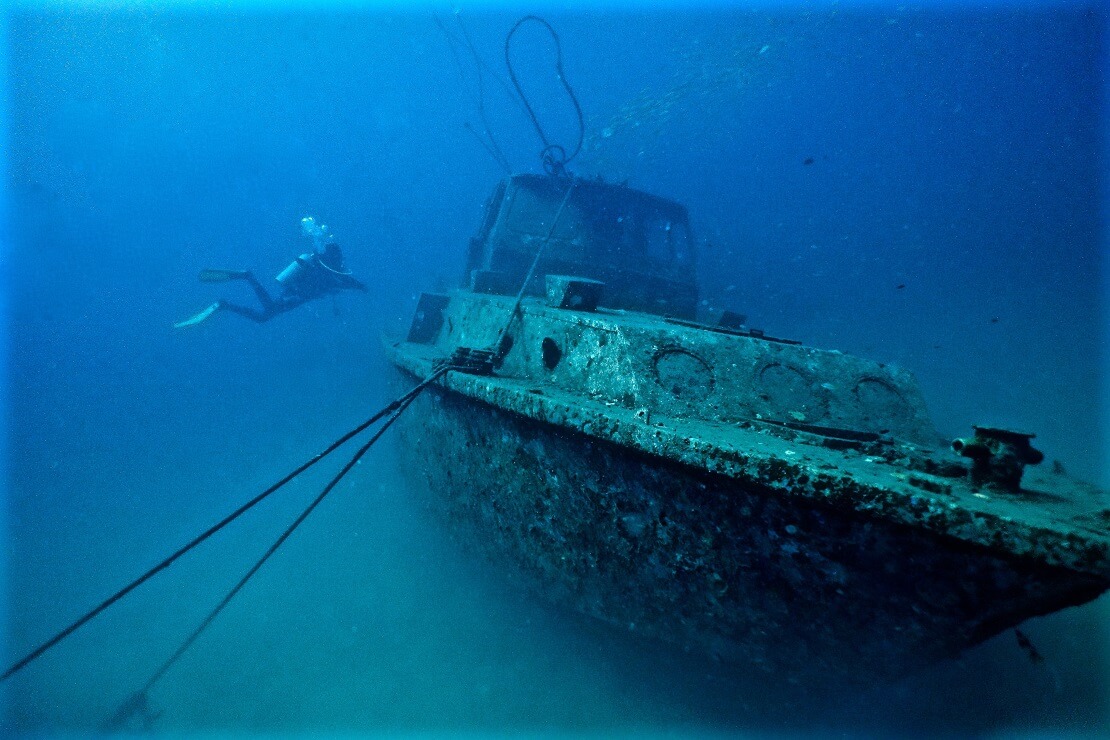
column 270, row 307
column 313, row 279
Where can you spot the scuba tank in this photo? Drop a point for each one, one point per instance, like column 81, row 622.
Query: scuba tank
column 291, row 275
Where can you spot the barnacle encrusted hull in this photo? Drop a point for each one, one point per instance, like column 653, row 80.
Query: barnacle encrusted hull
column 708, row 484
column 699, row 559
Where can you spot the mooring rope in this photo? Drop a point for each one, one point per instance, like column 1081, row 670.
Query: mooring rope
column 393, row 407
column 495, row 149
column 499, row 345
column 138, row 700
column 488, row 142
column 553, row 156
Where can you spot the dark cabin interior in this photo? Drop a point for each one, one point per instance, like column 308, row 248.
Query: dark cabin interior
column 638, row 244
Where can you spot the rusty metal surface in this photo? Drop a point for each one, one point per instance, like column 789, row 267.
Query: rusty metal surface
column 695, row 559
column 638, row 361
column 766, row 502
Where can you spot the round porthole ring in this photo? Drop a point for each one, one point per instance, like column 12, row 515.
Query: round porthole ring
column 674, row 349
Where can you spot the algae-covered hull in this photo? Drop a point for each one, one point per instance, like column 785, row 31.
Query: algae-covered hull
column 695, row 559
column 747, row 496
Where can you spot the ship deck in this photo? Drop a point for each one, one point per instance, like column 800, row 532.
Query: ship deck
column 1054, row 520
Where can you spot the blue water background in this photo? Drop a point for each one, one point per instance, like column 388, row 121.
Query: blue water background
column 954, row 151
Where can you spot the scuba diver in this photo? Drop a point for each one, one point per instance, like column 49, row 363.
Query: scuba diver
column 311, row 275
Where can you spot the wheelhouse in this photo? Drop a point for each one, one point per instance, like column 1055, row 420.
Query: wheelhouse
column 638, row 244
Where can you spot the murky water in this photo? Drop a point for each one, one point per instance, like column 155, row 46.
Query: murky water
column 917, row 187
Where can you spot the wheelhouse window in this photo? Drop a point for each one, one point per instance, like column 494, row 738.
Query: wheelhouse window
column 658, row 244
column 532, row 213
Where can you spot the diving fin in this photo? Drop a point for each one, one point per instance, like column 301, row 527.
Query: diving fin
column 222, row 276
column 194, row 320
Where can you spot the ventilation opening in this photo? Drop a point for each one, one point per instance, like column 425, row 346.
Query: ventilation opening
column 551, row 353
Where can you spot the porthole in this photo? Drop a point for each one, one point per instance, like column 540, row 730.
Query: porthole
column 790, row 394
column 684, row 374
column 881, row 401
column 550, row 353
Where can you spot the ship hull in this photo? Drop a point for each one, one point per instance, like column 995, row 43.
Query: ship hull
column 709, row 563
